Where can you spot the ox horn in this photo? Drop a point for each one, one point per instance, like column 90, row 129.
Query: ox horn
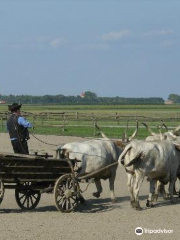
column 176, row 131
column 135, row 132
column 149, row 129
column 164, row 125
column 102, row 134
column 177, row 146
column 172, row 135
column 162, row 136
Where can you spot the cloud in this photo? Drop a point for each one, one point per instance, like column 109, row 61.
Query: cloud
column 156, row 33
column 39, row 43
column 115, row 36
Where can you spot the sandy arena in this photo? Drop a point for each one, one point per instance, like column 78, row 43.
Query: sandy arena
column 98, row 219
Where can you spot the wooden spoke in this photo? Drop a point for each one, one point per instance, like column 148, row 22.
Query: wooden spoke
column 66, row 196
column 1, row 191
column 26, row 197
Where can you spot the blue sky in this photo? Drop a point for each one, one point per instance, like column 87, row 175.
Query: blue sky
column 125, row 48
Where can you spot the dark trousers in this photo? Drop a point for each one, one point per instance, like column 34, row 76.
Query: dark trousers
column 20, row 146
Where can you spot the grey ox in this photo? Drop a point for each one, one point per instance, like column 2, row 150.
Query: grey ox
column 157, row 160
column 94, row 155
column 171, row 135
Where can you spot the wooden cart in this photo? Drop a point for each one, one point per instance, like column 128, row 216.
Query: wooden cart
column 31, row 176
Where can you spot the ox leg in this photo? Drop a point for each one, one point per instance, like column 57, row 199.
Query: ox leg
column 111, row 187
column 171, row 190
column 99, row 188
column 152, row 193
column 130, row 184
column 159, row 188
column 162, row 190
column 137, row 185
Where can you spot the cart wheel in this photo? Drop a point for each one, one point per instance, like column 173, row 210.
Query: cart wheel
column 27, row 198
column 66, row 198
column 1, row 191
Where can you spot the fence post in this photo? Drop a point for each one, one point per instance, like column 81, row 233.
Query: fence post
column 93, row 117
column 63, row 126
column 42, row 120
column 77, row 116
column 2, row 123
column 95, row 123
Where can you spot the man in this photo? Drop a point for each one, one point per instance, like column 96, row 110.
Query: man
column 18, row 129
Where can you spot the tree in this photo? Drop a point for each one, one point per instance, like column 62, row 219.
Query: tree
column 90, row 95
column 174, row 97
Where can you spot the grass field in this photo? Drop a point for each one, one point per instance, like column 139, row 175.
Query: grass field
column 78, row 120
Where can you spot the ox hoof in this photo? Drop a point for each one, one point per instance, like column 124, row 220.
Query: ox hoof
column 114, row 200
column 149, row 204
column 173, row 200
column 137, row 206
column 96, row 194
column 81, row 199
column 166, row 196
column 132, row 203
column 155, row 197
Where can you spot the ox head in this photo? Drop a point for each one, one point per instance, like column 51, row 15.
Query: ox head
column 121, row 143
column 170, row 135
column 62, row 153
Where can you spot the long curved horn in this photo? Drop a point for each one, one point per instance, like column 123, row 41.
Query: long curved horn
column 177, row 146
column 102, row 134
column 135, row 132
column 164, row 125
column 149, row 129
column 172, row 135
column 162, row 136
column 176, row 131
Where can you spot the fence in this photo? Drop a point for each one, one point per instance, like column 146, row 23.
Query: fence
column 74, row 119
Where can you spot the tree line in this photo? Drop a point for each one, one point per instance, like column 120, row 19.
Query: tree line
column 89, row 98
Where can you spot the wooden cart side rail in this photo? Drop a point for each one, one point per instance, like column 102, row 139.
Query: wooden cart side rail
column 35, row 180
column 89, row 175
column 17, row 156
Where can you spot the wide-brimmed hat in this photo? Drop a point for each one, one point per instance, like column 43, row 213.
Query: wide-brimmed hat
column 14, row 107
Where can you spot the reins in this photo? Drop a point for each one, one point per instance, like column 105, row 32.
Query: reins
column 43, row 141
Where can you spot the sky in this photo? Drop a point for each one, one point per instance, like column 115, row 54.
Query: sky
column 125, row 48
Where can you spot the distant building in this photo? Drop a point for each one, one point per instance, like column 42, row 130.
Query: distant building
column 169, row 102
column 2, row 102
column 82, row 95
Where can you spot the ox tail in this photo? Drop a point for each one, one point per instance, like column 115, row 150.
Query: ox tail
column 138, row 158
column 123, row 154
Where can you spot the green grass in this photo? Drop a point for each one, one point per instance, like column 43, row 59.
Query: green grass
column 151, row 114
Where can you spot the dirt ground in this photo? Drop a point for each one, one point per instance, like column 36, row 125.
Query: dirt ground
column 97, row 219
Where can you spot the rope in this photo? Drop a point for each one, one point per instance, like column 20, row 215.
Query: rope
column 43, row 141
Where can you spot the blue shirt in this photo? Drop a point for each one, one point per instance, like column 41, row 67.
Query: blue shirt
column 23, row 122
